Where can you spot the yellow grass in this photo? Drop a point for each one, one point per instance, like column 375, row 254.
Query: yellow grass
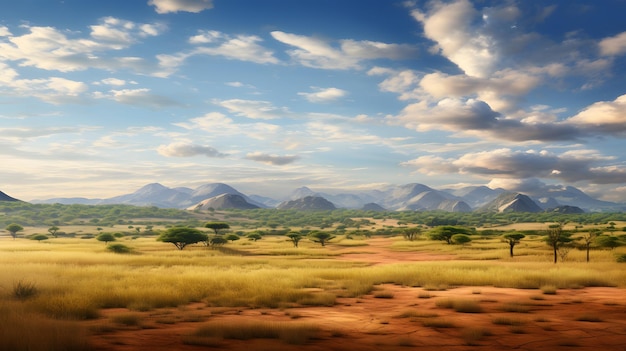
column 76, row 278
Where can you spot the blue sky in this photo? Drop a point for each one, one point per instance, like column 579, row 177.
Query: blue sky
column 98, row 98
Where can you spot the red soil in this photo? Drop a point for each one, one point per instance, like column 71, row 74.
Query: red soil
column 400, row 318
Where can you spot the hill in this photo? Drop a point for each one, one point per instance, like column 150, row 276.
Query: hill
column 307, row 203
column 5, row 197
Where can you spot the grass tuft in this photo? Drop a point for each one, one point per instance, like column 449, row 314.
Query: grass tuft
column 24, row 290
column 463, row 306
column 289, row 332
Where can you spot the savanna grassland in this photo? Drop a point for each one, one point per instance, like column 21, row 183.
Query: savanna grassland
column 368, row 288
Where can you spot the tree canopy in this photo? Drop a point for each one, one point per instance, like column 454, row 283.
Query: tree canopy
column 182, row 236
column 13, row 228
column 217, row 226
column 446, row 232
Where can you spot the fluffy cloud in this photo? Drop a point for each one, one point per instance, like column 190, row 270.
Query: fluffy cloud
column 168, row 6
column 448, row 114
column 613, row 46
column 182, row 149
column 324, row 95
column 604, row 117
column 572, row 166
column 451, row 26
column 239, row 47
column 318, row 53
column 53, row 90
column 275, row 160
column 51, row 49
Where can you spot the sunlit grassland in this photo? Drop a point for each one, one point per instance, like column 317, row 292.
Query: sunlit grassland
column 75, row 278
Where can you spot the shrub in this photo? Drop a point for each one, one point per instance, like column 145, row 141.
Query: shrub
column 120, row 248
column 39, row 237
column 621, row 258
column 24, row 290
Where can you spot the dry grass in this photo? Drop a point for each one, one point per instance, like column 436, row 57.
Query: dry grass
column 294, row 333
column 23, row 330
column 459, row 305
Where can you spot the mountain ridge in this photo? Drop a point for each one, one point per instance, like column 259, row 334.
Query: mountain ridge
column 407, row 197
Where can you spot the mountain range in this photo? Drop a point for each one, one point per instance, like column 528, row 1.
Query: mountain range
column 408, row 197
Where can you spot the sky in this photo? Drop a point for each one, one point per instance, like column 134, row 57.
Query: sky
column 99, row 98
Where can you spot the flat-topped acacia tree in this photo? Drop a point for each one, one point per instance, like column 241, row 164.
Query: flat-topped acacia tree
column 182, row 236
column 13, row 228
column 217, row 226
column 512, row 239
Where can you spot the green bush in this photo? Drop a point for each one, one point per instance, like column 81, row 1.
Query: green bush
column 621, row 258
column 120, row 248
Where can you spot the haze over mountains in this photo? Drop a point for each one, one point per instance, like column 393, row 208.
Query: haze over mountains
column 408, row 197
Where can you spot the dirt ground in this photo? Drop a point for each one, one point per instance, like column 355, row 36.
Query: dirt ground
column 395, row 318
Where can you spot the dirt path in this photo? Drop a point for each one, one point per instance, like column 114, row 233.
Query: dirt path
column 398, row 318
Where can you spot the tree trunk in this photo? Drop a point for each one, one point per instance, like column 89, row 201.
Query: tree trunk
column 511, row 249
column 587, row 253
column 555, row 252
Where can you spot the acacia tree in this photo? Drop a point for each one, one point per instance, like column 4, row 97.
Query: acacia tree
column 321, row 237
column 411, row 234
column 53, row 230
column 106, row 237
column 512, row 239
column 182, row 236
column 295, row 238
column 446, row 232
column 556, row 238
column 13, row 228
column 254, row 236
column 217, row 226
column 589, row 238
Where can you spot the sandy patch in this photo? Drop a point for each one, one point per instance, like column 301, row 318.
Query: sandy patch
column 396, row 318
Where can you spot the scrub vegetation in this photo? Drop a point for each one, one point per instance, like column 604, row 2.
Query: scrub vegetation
column 48, row 287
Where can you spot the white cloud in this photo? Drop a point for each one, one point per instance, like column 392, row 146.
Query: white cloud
column 607, row 117
column 169, row 6
column 318, row 53
column 275, row 160
column 51, row 49
column 218, row 125
column 112, row 81
column 452, row 27
column 324, row 95
column 239, row 47
column 613, row 46
column 53, row 90
column 254, row 109
column 4, row 31
column 182, row 149
column 572, row 166
column 139, row 97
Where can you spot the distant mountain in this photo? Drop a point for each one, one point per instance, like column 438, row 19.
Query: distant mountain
column 435, row 200
column 566, row 209
column 512, row 202
column 372, row 207
column 408, row 197
column 476, row 196
column 307, row 203
column 547, row 202
column 153, row 194
column 224, row 201
column 266, row 201
column 5, row 197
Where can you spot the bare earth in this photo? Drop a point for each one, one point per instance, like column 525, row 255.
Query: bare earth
column 403, row 318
